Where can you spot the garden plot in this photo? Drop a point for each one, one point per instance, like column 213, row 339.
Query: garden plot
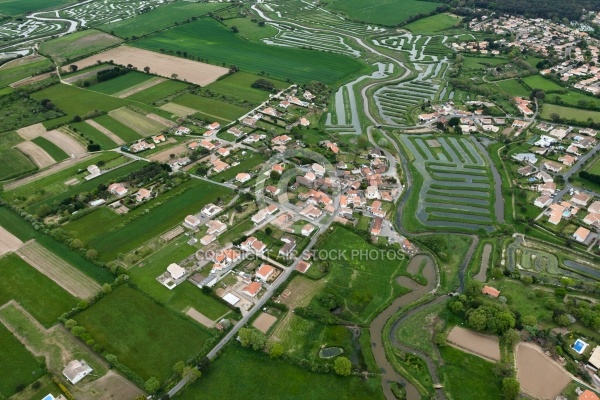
column 64, row 274
column 457, row 185
column 311, row 40
column 483, row 346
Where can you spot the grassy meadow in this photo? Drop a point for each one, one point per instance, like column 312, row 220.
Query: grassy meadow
column 208, row 40
column 239, row 86
column 433, row 24
column 242, row 374
column 38, row 294
column 210, row 107
column 383, row 12
column 145, row 336
column 94, row 135
column 17, row 365
column 118, row 128
column 77, row 44
column 120, row 83
column 17, row 7
column 22, row 68
column 158, row 92
column 569, row 113
column 14, row 164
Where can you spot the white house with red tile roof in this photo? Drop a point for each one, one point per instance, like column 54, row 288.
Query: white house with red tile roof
column 265, row 272
column 214, row 126
column 252, row 289
column 581, row 234
column 581, row 199
column 191, row 221
column 243, row 177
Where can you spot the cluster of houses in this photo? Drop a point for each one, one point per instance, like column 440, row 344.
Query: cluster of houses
column 470, row 121
column 537, row 34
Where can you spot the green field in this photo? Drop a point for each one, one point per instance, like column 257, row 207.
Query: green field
column 158, row 92
column 211, row 41
column 384, row 12
column 594, row 167
column 110, row 238
column 482, row 62
column 77, row 44
column 251, row 30
column 364, row 284
column 539, row 82
column 122, row 131
column 23, row 68
column 24, row 231
column 14, row 164
column 513, row 88
column 242, row 374
column 211, row 107
column 39, row 295
column 239, row 86
column 482, row 382
column 17, row 365
column 122, row 82
column 569, row 113
column 94, row 135
column 76, row 101
column 155, row 20
column 53, row 150
column 433, row 24
column 9, row 139
column 145, row 336
column 16, row 7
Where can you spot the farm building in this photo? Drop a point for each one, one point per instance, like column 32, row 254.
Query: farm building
column 490, row 291
column 76, row 370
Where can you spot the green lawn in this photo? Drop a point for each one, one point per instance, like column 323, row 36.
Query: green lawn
column 247, row 165
column 242, row 374
column 94, row 135
column 208, row 40
column 23, row 68
column 481, row 383
column 384, row 12
column 17, row 365
column 24, row 231
column 14, row 164
column 77, row 44
column 119, row 129
column 122, row 82
column 433, row 24
column 366, row 284
column 239, row 86
column 211, row 107
column 145, row 336
column 113, row 234
column 16, row 7
column 53, row 150
column 569, row 113
column 164, row 16
column 513, row 88
column 594, row 167
column 539, row 82
column 158, row 92
column 39, row 295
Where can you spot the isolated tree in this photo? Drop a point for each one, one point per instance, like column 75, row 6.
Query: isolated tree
column 276, row 350
column 70, row 323
column 174, row 75
column 147, row 69
column 511, row 337
column 529, row 320
column 342, row 366
column 235, row 29
column 510, row 388
column 478, row 320
column 454, row 121
column 252, row 338
column 191, row 373
column 91, row 254
column 129, row 66
column 73, row 67
column 107, row 288
column 152, row 385
column 179, row 367
column 457, row 307
column 112, row 359
column 76, row 244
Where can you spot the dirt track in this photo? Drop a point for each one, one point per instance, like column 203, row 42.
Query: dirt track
column 480, row 345
column 198, row 316
column 105, row 131
column 64, row 274
column 36, row 154
column 485, row 263
column 8, row 242
column 539, row 375
column 160, row 64
column 66, row 143
column 138, row 88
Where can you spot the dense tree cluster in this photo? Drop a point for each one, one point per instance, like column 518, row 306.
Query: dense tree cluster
column 589, row 176
column 111, row 73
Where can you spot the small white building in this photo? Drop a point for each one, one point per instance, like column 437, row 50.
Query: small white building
column 176, row 271
column 191, row 221
column 76, row 370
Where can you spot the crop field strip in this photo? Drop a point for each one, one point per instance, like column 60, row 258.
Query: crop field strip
column 57, row 269
column 443, row 169
column 53, row 150
column 143, row 125
column 98, row 134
